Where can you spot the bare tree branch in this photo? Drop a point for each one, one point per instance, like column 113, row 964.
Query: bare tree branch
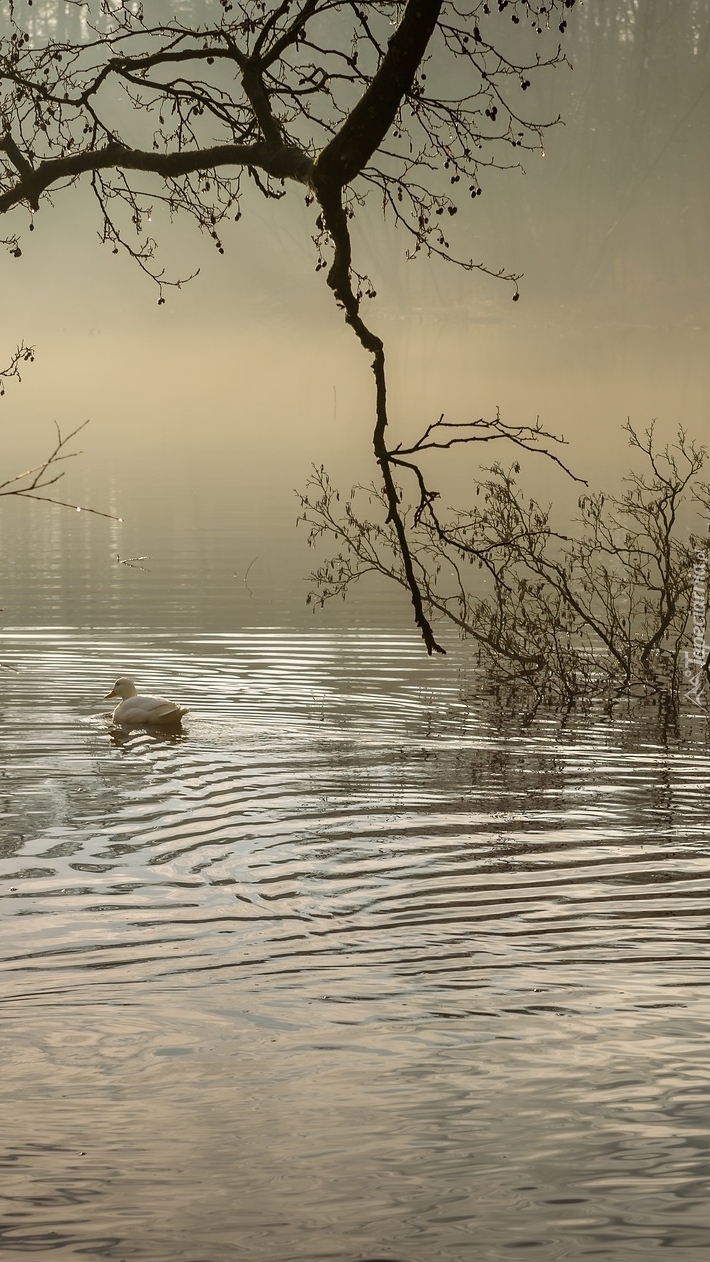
column 412, row 99
column 32, row 483
column 22, row 355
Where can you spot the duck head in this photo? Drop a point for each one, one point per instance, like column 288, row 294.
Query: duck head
column 123, row 688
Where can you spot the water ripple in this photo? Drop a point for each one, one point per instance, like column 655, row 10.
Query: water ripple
column 308, row 790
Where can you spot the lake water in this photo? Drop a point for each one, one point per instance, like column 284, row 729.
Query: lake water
column 362, row 964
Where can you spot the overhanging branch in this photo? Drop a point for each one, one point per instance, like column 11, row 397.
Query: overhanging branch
column 280, row 161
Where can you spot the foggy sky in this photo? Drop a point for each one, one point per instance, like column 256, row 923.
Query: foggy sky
column 248, row 373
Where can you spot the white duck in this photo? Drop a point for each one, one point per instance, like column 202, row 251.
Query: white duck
column 137, row 710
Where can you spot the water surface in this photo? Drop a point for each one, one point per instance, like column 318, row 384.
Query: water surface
column 360, row 965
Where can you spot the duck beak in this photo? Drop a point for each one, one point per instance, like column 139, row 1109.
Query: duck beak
column 110, row 694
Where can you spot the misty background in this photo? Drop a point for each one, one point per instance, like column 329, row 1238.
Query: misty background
column 207, row 412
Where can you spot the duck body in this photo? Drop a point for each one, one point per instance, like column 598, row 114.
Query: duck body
column 141, row 710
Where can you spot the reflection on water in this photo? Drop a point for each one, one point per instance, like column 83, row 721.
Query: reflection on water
column 356, row 966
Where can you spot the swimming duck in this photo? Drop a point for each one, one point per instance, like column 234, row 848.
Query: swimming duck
column 137, row 710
